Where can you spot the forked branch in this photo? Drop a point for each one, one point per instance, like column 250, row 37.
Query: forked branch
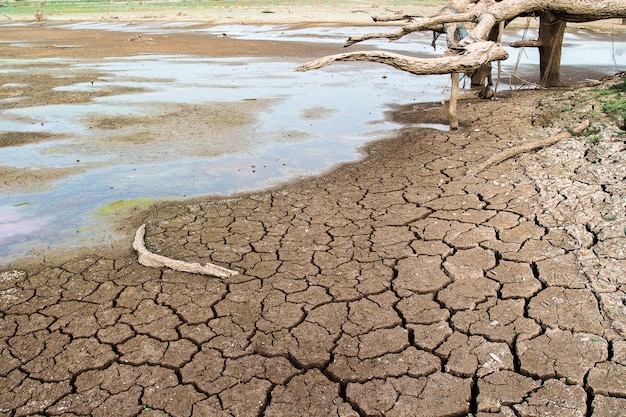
column 417, row 25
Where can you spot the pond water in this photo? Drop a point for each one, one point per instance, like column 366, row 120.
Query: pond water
column 281, row 125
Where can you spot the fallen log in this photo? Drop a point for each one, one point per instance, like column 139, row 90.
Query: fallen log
column 147, row 258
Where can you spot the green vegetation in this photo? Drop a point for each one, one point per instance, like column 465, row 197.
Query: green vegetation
column 615, row 107
column 614, row 102
column 604, row 107
column 593, row 134
column 111, row 6
column 116, row 206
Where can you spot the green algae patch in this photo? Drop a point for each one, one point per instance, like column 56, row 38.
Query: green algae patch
column 123, row 205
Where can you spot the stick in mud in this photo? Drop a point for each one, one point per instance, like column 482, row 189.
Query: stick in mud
column 527, row 147
column 147, row 258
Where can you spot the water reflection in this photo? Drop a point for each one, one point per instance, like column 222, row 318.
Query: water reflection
column 302, row 124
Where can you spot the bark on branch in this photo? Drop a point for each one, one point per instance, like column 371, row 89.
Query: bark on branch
column 526, row 44
column 470, row 48
column 463, row 60
column 526, row 147
column 487, row 13
column 147, row 258
column 417, row 25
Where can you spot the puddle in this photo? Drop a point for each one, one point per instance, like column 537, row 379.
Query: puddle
column 435, row 126
column 200, row 126
column 288, row 125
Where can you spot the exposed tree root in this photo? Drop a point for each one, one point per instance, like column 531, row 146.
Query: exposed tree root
column 526, row 147
column 147, row 258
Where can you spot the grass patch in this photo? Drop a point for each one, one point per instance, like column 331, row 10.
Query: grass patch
column 593, row 134
column 110, row 6
column 613, row 100
column 593, row 139
column 606, row 106
column 615, row 105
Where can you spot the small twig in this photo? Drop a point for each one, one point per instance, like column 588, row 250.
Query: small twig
column 147, row 258
column 7, row 16
column 526, row 147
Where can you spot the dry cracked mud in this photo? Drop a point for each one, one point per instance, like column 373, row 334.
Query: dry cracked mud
column 395, row 286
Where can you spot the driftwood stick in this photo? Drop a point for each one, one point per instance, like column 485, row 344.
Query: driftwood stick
column 526, row 147
column 147, row 258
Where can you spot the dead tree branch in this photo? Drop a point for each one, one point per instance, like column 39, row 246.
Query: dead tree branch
column 464, row 60
column 470, row 48
column 417, row 25
column 147, row 258
column 486, row 13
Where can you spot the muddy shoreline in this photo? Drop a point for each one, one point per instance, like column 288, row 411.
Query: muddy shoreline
column 55, row 41
column 398, row 285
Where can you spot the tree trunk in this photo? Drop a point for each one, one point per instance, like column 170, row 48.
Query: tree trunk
column 473, row 52
column 551, row 31
column 482, row 76
column 454, row 98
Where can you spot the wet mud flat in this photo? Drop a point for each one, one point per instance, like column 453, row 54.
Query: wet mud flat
column 398, row 285
column 92, row 125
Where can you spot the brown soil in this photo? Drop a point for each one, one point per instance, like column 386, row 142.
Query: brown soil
column 396, row 286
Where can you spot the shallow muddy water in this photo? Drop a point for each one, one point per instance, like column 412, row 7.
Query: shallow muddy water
column 176, row 126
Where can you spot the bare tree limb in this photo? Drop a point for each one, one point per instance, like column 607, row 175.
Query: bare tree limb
column 147, row 258
column 487, row 13
column 468, row 50
column 417, row 25
column 526, row 147
column 525, row 44
column 465, row 60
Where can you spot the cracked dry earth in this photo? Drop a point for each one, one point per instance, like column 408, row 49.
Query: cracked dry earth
column 396, row 286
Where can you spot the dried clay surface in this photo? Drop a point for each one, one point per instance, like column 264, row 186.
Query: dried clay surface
column 395, row 286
